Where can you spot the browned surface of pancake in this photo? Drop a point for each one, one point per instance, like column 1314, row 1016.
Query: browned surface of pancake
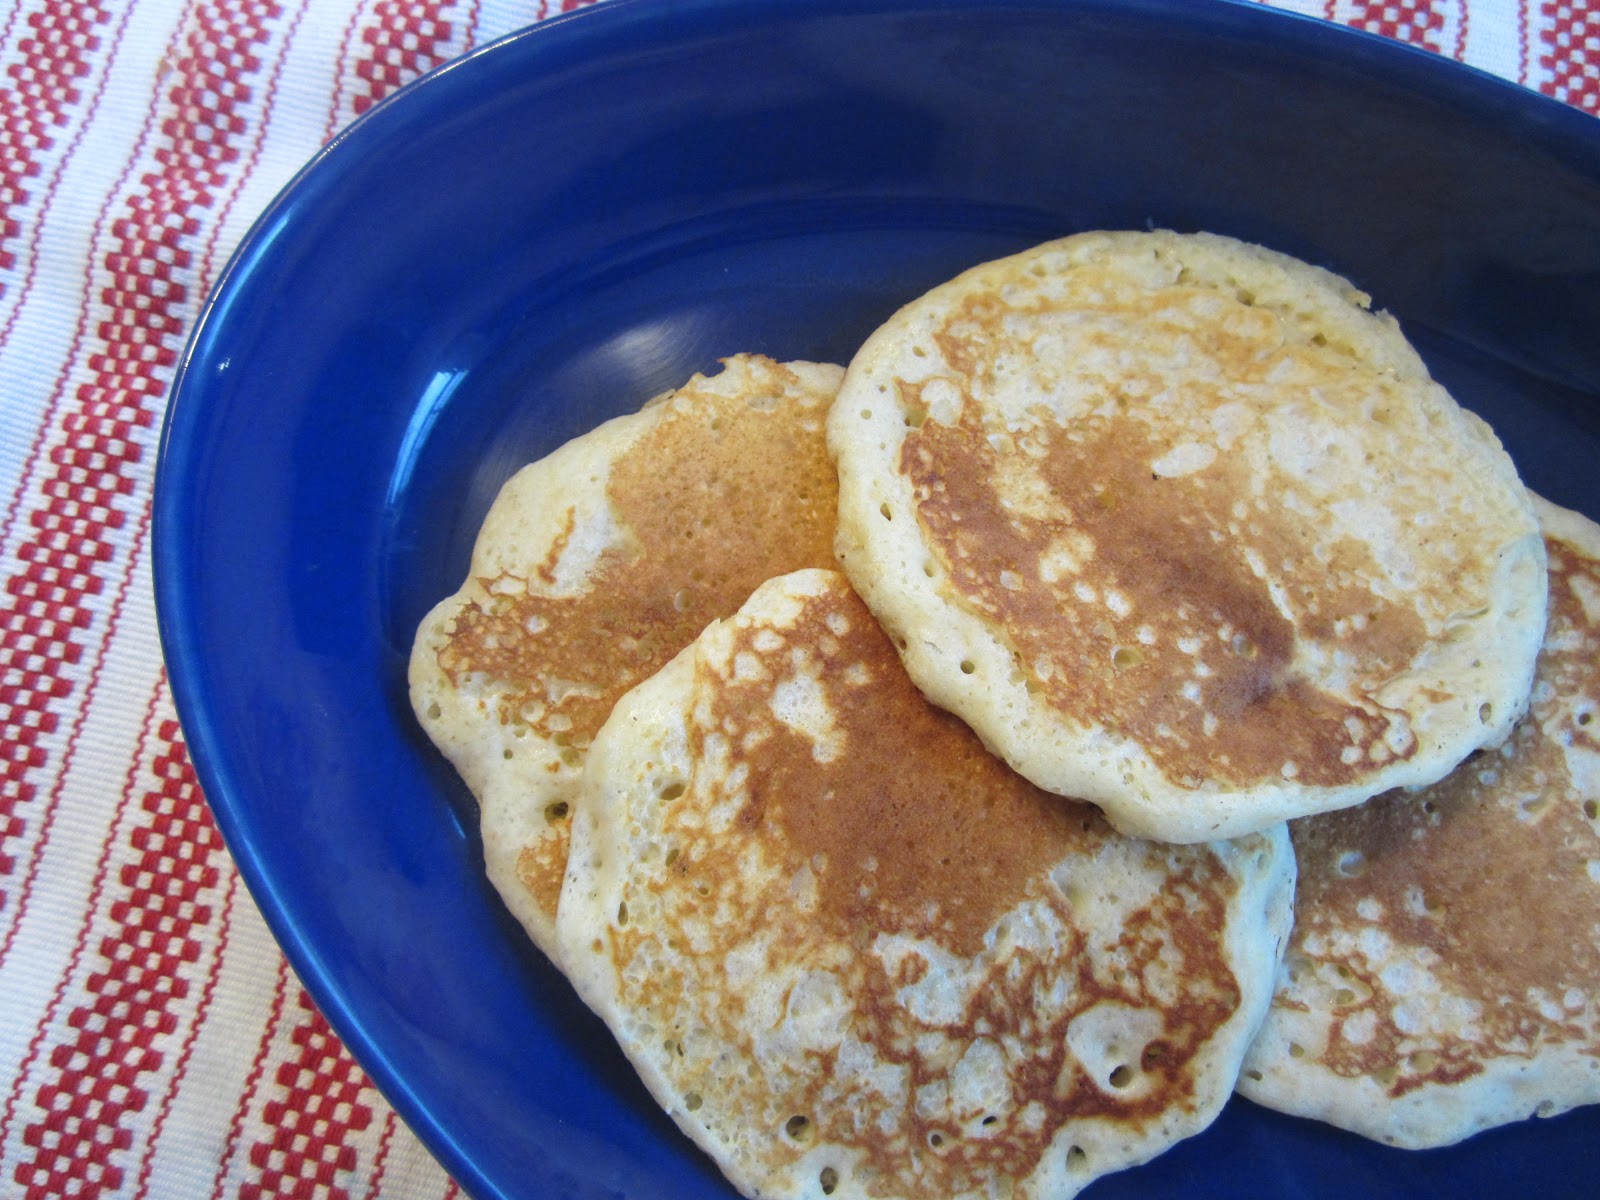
column 938, row 848
column 823, row 822
column 674, row 515
column 1199, row 667
column 1444, row 971
column 715, row 503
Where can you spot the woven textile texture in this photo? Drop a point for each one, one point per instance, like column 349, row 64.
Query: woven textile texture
column 154, row 1041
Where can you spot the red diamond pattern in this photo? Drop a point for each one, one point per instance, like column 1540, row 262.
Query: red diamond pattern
column 90, row 471
column 35, row 103
column 1414, row 21
column 407, row 38
column 310, row 1123
column 1571, row 37
column 127, row 1009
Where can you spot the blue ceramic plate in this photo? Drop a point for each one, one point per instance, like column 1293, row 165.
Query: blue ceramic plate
column 553, row 229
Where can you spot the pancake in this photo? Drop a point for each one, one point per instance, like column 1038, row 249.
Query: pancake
column 593, row 568
column 1444, row 972
column 852, row 954
column 1180, row 527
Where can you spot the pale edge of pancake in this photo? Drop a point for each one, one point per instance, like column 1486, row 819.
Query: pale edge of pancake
column 963, row 665
column 515, row 774
column 1508, row 1089
column 645, row 740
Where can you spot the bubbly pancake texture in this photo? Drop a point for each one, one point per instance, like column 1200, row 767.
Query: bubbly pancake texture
column 1183, row 529
column 854, row 955
column 593, row 568
column 1444, row 972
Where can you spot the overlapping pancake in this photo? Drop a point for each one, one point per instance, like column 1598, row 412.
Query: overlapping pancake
column 593, row 568
column 854, row 955
column 1180, row 527
column 1444, row 972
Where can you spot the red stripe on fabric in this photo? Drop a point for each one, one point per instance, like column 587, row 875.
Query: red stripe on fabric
column 336, row 113
column 70, row 752
column 23, row 1174
column 36, row 1045
column 1570, row 36
column 180, row 1071
column 10, row 26
column 27, row 621
column 305, row 1147
column 204, row 277
column 252, row 1084
column 380, row 1159
column 38, row 218
column 1523, row 52
column 41, row 93
column 1420, row 22
column 71, row 537
column 38, row 1134
column 1461, row 30
column 129, row 1006
column 138, row 336
column 407, row 38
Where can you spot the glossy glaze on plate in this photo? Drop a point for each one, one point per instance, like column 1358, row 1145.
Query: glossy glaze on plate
column 556, row 227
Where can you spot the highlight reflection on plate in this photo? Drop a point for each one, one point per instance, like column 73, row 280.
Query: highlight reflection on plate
column 563, row 224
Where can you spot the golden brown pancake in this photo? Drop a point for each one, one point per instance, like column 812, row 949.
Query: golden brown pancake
column 1182, row 528
column 852, row 954
column 593, row 568
column 1444, row 972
